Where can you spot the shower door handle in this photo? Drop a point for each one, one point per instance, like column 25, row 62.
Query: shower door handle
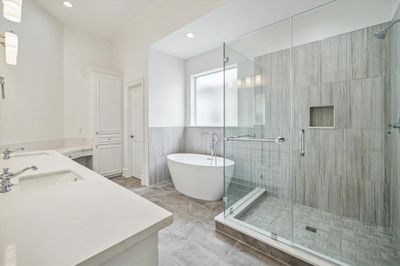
column 301, row 141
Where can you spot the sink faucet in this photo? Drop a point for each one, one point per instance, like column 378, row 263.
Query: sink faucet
column 213, row 143
column 5, row 183
column 7, row 152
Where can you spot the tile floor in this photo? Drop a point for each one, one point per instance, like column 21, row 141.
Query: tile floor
column 191, row 240
column 344, row 239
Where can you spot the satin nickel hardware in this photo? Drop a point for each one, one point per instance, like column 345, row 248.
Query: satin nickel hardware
column 132, row 136
column 274, row 236
column 3, row 90
column 277, row 140
column 244, row 136
column 226, row 59
column 302, row 151
column 5, row 183
column 7, row 152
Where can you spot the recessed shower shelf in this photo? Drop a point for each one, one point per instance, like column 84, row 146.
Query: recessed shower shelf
column 322, row 117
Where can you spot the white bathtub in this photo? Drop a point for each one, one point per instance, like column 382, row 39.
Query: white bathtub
column 195, row 175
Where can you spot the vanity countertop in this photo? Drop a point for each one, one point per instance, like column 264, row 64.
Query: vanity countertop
column 73, row 149
column 87, row 221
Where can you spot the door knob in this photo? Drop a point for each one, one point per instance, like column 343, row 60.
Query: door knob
column 132, row 136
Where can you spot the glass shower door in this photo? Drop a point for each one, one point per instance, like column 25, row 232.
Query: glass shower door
column 258, row 132
column 241, row 171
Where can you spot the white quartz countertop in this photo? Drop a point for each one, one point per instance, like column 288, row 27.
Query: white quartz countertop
column 87, row 221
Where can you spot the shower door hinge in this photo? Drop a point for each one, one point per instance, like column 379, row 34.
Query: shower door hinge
column 225, row 199
column 226, row 59
column 274, row 236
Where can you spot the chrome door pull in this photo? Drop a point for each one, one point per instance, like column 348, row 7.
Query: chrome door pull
column 302, row 151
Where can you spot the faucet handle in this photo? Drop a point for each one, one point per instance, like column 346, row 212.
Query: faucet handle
column 5, row 170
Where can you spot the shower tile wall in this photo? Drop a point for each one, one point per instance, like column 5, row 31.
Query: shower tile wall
column 163, row 141
column 343, row 171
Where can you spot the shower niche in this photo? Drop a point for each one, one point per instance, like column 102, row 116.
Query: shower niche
column 322, row 116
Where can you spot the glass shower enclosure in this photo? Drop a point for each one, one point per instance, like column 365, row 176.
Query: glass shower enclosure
column 311, row 124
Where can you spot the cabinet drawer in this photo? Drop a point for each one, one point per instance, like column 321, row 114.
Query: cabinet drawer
column 105, row 139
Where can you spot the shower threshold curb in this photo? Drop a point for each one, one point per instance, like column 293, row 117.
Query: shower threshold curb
column 273, row 248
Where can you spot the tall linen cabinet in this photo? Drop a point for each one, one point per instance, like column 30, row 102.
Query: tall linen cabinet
column 106, row 113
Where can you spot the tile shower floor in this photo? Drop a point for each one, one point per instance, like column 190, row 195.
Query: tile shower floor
column 192, row 240
column 344, row 239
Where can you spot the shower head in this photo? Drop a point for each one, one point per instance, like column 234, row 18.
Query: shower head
column 381, row 34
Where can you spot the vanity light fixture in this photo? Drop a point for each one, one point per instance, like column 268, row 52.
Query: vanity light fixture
column 190, row 35
column 68, row 4
column 12, row 10
column 10, row 42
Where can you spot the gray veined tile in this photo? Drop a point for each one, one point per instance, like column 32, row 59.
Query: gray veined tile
column 366, row 101
column 307, row 64
column 335, row 59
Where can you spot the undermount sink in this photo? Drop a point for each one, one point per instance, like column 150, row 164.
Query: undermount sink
column 31, row 155
column 48, row 180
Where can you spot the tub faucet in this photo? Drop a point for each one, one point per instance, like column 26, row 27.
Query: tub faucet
column 7, row 152
column 5, row 183
column 213, row 143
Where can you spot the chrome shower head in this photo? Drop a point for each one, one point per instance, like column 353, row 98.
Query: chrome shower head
column 382, row 33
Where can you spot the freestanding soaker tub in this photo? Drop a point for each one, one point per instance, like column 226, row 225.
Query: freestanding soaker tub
column 197, row 176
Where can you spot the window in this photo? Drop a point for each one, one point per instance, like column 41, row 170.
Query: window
column 208, row 98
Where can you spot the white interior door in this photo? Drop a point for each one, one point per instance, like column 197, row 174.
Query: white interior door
column 135, row 115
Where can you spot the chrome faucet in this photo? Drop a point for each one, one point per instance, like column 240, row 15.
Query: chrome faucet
column 7, row 152
column 213, row 143
column 5, row 183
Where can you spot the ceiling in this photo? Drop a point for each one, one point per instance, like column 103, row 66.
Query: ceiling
column 229, row 22
column 101, row 17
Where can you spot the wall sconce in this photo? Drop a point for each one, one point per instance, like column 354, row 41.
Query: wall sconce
column 10, row 42
column 12, row 10
column 257, row 80
column 248, row 82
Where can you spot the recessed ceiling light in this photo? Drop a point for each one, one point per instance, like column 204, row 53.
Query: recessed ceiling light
column 190, row 35
column 67, row 4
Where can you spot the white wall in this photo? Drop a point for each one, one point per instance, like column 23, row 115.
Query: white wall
column 81, row 50
column 47, row 93
column 33, row 109
column 132, row 43
column 166, row 85
column 195, row 65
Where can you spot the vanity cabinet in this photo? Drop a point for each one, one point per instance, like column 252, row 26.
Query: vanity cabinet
column 106, row 88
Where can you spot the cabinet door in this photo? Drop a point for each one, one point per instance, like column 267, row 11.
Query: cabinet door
column 108, row 105
column 107, row 159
